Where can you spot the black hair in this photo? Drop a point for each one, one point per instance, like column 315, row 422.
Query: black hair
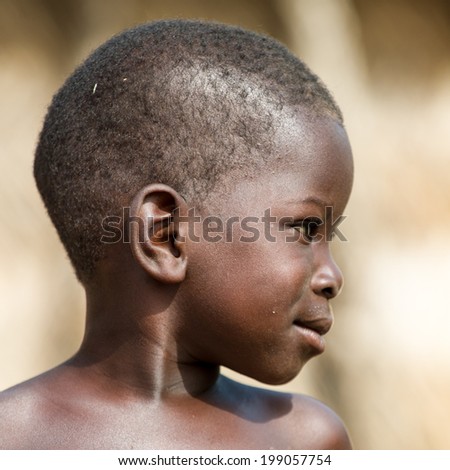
column 176, row 102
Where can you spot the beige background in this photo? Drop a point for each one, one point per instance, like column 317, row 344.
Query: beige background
column 387, row 367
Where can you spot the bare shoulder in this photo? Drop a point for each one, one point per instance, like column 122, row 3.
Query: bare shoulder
column 28, row 408
column 17, row 405
column 325, row 429
column 309, row 423
column 298, row 421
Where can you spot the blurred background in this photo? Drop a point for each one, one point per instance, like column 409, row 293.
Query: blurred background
column 387, row 366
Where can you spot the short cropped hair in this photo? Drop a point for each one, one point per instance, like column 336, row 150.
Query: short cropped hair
column 176, row 102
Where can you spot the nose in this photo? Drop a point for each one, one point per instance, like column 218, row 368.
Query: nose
column 327, row 280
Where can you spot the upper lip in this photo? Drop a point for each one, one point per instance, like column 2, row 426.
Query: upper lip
column 321, row 325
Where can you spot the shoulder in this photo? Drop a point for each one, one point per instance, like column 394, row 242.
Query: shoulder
column 325, row 429
column 17, row 405
column 28, row 408
column 298, row 421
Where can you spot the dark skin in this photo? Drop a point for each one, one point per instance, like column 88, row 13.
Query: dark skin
column 163, row 316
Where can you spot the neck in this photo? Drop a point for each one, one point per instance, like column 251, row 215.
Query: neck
column 133, row 347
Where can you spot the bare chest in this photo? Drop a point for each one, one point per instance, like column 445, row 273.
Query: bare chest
column 168, row 429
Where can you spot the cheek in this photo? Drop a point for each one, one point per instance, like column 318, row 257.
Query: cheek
column 277, row 273
column 241, row 302
column 252, row 278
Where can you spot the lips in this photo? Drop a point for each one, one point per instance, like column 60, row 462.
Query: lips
column 320, row 325
column 311, row 332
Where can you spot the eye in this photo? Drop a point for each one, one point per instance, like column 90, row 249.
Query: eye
column 308, row 229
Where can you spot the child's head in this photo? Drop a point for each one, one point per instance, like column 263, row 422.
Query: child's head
column 176, row 102
column 175, row 115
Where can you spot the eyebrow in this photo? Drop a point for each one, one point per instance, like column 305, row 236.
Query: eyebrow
column 315, row 200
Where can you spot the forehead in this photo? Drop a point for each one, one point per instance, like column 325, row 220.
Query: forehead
column 310, row 159
column 316, row 147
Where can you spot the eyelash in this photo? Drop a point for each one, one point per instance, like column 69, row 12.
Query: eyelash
column 308, row 228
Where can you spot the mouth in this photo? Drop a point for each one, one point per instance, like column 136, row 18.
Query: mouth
column 312, row 331
column 320, row 325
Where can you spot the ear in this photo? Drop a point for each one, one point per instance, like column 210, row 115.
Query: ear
column 156, row 237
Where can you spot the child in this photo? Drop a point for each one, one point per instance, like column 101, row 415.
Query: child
column 189, row 169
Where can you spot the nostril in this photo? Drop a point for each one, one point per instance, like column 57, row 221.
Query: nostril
column 327, row 279
column 329, row 292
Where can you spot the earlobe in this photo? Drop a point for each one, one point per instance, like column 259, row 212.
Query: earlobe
column 156, row 234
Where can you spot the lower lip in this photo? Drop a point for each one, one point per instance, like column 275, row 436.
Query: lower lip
column 312, row 338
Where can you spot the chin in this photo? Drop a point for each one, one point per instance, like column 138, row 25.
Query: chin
column 280, row 376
